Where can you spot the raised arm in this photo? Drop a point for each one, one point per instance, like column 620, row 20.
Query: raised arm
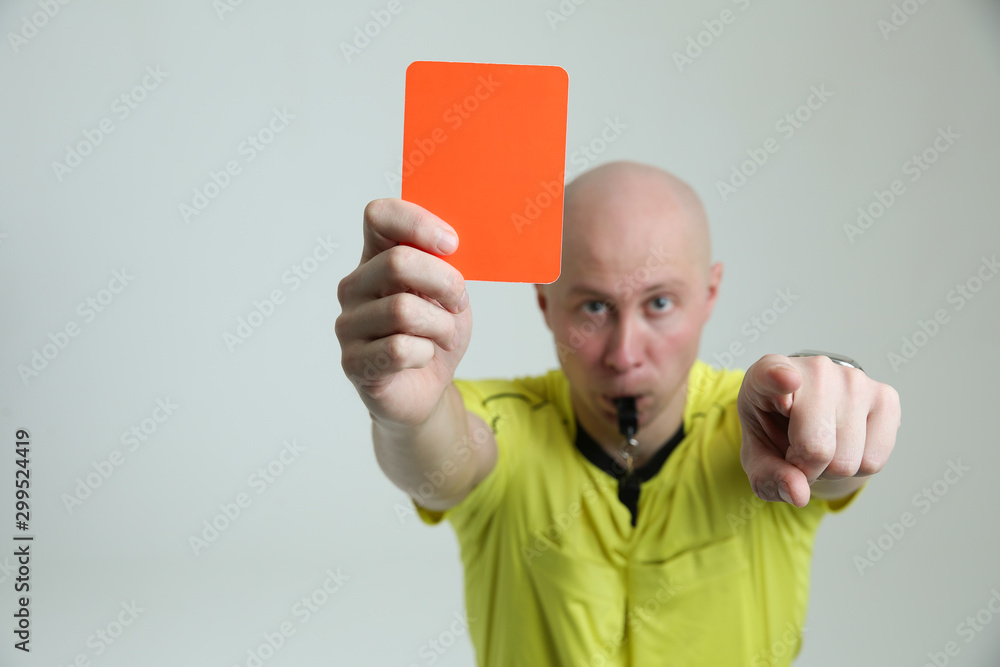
column 405, row 324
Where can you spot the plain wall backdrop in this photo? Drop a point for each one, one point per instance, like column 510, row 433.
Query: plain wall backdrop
column 153, row 98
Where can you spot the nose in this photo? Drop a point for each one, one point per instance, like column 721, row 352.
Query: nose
column 624, row 345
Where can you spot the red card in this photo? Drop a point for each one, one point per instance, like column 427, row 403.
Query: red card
column 484, row 149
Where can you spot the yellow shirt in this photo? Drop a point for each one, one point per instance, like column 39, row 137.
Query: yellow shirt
column 557, row 575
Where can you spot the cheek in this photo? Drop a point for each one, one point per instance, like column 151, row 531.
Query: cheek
column 676, row 344
column 580, row 342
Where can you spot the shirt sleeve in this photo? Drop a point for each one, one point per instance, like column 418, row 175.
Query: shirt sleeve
column 485, row 497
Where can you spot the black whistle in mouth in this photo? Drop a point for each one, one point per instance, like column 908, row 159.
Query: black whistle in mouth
column 628, row 418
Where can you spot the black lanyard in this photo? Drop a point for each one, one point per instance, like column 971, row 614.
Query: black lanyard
column 628, row 484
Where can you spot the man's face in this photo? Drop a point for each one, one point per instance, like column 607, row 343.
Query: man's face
column 628, row 309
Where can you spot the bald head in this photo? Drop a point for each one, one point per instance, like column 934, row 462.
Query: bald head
column 617, row 213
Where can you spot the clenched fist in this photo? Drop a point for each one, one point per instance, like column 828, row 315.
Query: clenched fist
column 405, row 320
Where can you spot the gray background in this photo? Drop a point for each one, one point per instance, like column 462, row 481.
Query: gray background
column 331, row 508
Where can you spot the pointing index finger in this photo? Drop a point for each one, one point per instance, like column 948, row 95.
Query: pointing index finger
column 770, row 383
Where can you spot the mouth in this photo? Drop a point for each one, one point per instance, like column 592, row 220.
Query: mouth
column 608, row 403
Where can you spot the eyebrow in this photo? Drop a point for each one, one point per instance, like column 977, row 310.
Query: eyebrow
column 662, row 285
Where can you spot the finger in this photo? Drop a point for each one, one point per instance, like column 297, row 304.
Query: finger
column 770, row 382
column 882, row 426
column 399, row 313
column 372, row 363
column 850, row 443
column 389, row 222
column 771, row 477
column 406, row 269
column 812, row 431
column 852, row 399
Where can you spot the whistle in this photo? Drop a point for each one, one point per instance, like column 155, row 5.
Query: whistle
column 628, row 418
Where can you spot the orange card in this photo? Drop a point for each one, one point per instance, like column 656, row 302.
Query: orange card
column 484, row 149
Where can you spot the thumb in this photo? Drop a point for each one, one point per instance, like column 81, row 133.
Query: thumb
column 771, row 477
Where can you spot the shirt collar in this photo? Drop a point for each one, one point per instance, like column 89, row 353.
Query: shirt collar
column 593, row 452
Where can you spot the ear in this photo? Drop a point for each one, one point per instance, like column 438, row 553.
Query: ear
column 714, row 280
column 543, row 304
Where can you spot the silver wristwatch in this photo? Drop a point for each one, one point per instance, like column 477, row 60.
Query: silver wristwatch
column 835, row 358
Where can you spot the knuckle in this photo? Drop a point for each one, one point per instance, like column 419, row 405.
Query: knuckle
column 400, row 309
column 870, row 465
column 841, row 467
column 345, row 359
column 340, row 327
column 856, row 379
column 349, row 362
column 457, row 284
column 889, row 397
column 396, row 349
column 812, row 448
column 819, row 364
column 343, row 289
column 397, row 260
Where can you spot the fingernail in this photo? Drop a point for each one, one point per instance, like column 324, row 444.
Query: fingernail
column 454, row 341
column 446, row 242
column 783, row 492
column 464, row 301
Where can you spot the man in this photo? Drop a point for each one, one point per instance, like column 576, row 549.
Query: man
column 570, row 559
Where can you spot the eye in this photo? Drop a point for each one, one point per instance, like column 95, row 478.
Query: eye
column 661, row 304
column 595, row 307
